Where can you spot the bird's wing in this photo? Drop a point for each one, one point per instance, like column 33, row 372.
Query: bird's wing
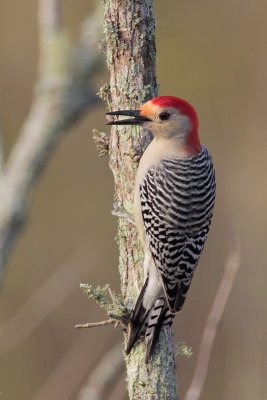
column 177, row 199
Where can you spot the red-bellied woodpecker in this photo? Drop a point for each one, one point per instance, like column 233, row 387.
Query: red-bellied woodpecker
column 173, row 206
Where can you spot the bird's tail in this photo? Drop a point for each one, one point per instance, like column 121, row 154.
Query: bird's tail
column 147, row 322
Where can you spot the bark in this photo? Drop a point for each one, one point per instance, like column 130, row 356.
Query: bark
column 129, row 29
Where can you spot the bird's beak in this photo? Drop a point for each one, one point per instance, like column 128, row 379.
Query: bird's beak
column 137, row 118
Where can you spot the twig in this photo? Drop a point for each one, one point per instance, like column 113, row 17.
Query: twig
column 115, row 309
column 62, row 96
column 106, row 374
column 121, row 213
column 215, row 316
column 110, row 321
column 112, row 296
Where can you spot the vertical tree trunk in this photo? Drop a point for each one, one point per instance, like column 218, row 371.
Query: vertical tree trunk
column 129, row 29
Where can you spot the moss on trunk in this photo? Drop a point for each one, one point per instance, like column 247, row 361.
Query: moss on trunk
column 129, row 30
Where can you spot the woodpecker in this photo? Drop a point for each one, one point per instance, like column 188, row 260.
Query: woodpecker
column 173, row 206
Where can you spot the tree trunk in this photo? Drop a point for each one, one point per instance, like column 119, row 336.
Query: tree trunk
column 129, row 29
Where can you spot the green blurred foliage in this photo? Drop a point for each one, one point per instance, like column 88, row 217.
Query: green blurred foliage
column 214, row 55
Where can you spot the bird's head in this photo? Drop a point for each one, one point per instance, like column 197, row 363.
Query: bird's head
column 167, row 117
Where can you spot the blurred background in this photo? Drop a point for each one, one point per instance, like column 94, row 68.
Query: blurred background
column 213, row 54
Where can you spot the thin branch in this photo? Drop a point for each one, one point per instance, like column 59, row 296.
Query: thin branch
column 47, row 298
column 50, row 14
column 106, row 374
column 114, row 309
column 62, row 96
column 110, row 321
column 112, row 296
column 121, row 213
column 2, row 151
column 214, row 317
column 73, row 364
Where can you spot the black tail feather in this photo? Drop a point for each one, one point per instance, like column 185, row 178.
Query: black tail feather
column 137, row 320
column 147, row 322
column 151, row 343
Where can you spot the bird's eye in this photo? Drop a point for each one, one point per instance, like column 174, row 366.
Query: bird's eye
column 164, row 116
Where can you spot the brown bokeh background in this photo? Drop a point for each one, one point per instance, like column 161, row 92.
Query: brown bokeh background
column 214, row 54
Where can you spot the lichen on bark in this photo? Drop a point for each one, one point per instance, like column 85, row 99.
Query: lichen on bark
column 129, row 29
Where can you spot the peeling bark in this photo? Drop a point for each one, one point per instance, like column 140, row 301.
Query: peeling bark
column 129, row 29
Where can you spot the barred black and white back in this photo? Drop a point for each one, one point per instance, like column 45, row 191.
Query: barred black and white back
column 177, row 199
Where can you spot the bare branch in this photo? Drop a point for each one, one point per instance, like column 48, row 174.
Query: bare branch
column 74, row 364
column 50, row 14
column 110, row 321
column 122, row 213
column 214, row 317
column 2, row 151
column 47, row 298
column 106, row 374
column 62, row 96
